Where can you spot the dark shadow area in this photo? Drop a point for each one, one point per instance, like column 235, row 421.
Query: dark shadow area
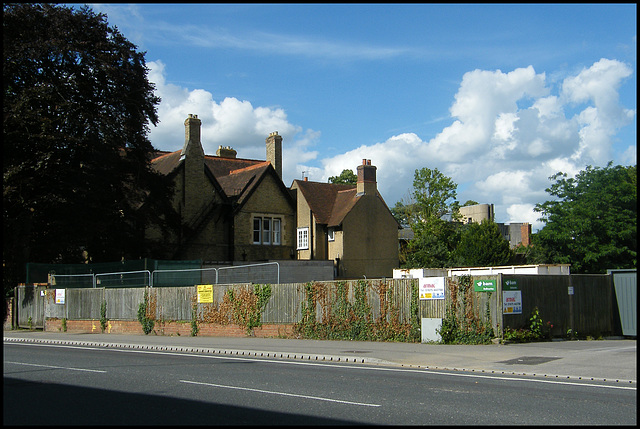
column 529, row 360
column 31, row 403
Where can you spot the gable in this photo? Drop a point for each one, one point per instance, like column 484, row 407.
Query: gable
column 321, row 197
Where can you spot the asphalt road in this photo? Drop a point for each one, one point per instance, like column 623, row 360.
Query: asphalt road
column 69, row 384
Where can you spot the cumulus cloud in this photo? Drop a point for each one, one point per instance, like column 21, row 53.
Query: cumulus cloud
column 229, row 122
column 508, row 133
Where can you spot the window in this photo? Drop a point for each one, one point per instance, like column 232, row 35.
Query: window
column 331, row 234
column 267, row 230
column 303, row 238
column 276, row 232
column 257, row 231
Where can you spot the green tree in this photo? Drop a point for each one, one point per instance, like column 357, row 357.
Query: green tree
column 76, row 113
column 482, row 245
column 434, row 244
column 592, row 221
column 347, row 177
column 434, row 194
column 435, row 239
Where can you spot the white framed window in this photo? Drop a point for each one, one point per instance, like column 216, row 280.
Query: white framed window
column 257, row 230
column 276, row 231
column 303, row 238
column 331, row 234
column 267, row 230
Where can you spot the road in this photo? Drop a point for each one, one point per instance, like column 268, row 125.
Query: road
column 62, row 384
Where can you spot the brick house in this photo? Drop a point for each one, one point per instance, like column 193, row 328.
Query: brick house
column 231, row 209
column 348, row 224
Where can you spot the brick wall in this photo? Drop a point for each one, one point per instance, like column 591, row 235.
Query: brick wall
column 168, row 328
column 8, row 321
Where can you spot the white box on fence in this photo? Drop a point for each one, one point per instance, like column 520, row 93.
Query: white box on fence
column 428, row 329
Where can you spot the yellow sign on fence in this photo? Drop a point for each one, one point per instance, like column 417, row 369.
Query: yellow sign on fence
column 205, row 293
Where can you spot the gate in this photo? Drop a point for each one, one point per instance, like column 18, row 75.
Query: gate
column 30, row 306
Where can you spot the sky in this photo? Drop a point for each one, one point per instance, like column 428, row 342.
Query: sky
column 497, row 97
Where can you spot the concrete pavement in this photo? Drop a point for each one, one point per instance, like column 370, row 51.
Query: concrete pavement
column 610, row 360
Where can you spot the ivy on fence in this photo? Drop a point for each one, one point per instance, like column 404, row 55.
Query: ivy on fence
column 462, row 323
column 353, row 320
column 242, row 306
column 147, row 311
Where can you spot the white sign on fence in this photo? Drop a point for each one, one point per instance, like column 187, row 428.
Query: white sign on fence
column 431, row 287
column 511, row 302
column 60, row 293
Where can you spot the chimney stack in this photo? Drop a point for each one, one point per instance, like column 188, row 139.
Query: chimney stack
column 274, row 152
column 191, row 132
column 226, row 152
column 366, row 184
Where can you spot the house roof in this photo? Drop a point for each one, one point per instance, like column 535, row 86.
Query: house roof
column 236, row 177
column 322, row 198
column 330, row 202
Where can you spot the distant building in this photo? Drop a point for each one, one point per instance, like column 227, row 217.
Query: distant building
column 515, row 233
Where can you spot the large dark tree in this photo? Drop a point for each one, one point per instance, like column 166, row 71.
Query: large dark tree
column 76, row 113
column 482, row 245
column 592, row 221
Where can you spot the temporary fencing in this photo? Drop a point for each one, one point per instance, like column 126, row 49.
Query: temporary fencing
column 262, row 273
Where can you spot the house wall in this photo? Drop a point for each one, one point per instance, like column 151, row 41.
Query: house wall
column 370, row 239
column 304, row 219
column 267, row 200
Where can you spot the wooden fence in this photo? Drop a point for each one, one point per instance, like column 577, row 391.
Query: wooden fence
column 589, row 310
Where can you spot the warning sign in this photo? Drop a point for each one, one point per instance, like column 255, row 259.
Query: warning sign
column 205, row 293
column 431, row 287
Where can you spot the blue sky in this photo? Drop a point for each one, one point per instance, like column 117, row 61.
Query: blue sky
column 497, row 97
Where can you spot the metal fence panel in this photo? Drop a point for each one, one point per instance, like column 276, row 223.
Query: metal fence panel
column 626, row 288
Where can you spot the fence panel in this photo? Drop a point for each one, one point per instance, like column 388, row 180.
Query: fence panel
column 591, row 306
column 285, row 304
column 174, row 303
column 84, row 303
column 123, row 303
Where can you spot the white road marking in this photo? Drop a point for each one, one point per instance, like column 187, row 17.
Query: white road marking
column 318, row 398
column 56, row 367
column 344, row 366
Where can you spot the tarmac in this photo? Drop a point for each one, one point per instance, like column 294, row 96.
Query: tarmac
column 612, row 360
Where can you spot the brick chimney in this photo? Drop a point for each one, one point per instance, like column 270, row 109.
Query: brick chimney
column 226, row 152
column 191, row 135
column 274, row 152
column 366, row 184
column 194, row 180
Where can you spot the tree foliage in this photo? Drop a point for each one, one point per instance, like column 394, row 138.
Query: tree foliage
column 434, row 194
column 434, row 244
column 347, row 177
column 76, row 113
column 592, row 222
column 435, row 239
column 482, row 245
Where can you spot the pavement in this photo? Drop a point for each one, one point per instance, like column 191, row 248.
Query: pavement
column 609, row 360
